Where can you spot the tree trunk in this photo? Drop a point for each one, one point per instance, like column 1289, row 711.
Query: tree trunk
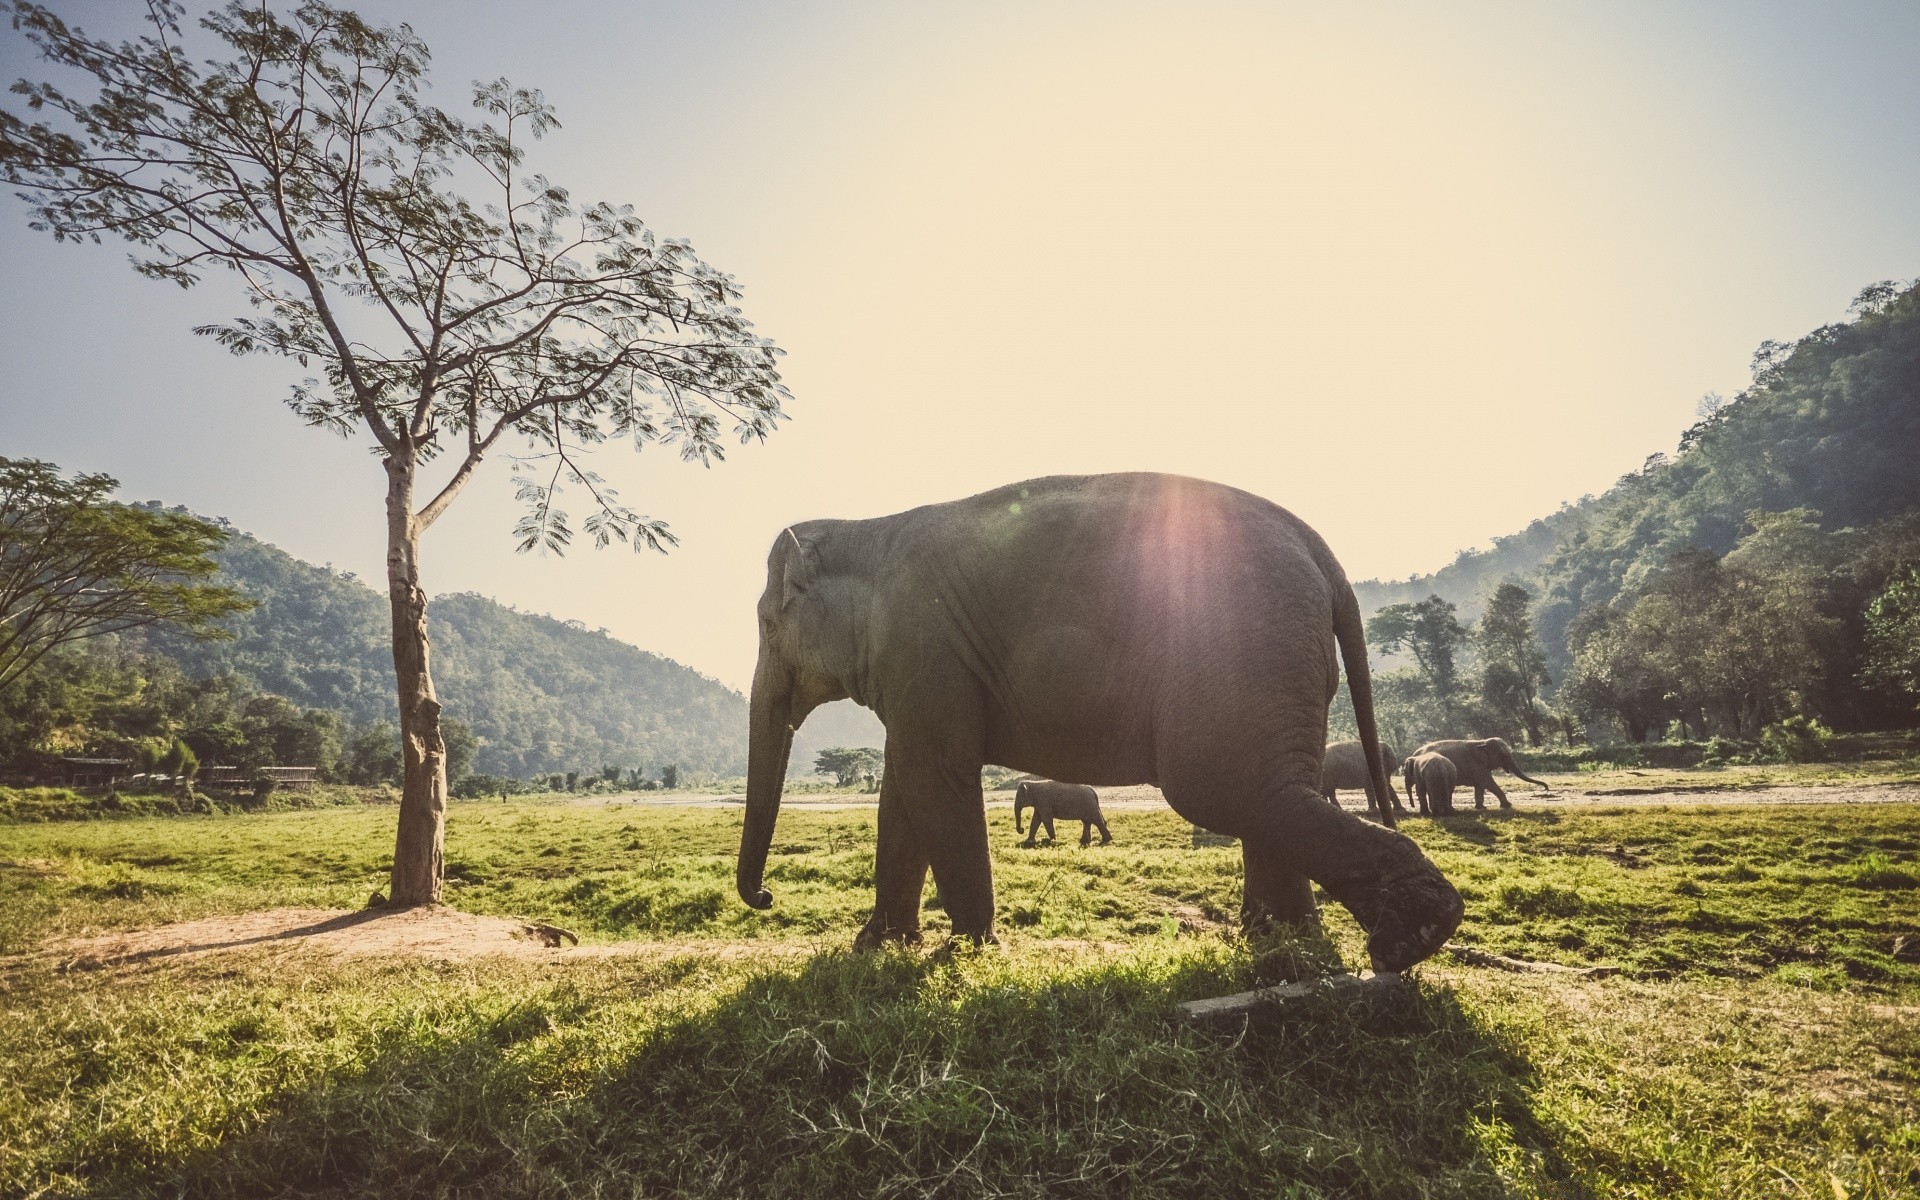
column 419, row 848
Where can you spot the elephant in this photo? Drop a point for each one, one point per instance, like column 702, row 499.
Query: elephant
column 1435, row 776
column 1068, row 801
column 1346, row 767
column 1104, row 629
column 1477, row 760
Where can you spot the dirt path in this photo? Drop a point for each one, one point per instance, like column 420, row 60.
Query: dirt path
column 1143, row 798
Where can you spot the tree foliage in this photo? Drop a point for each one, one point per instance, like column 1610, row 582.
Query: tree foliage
column 308, row 163
column 1514, row 664
column 1429, row 630
column 1893, row 635
column 75, row 565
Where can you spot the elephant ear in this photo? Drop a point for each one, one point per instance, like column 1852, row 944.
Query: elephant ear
column 798, row 570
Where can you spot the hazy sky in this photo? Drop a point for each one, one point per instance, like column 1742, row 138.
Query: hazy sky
column 1420, row 273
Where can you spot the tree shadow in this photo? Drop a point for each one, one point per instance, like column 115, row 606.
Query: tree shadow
column 896, row 1074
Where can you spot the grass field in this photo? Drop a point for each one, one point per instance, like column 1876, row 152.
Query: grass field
column 1763, row 1040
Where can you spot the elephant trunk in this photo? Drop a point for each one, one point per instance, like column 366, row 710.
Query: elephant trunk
column 1514, row 767
column 769, row 742
column 1019, row 806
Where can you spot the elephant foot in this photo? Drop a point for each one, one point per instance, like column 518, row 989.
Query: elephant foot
column 876, row 936
column 1029, row 845
column 962, row 944
column 1506, row 804
column 1408, row 908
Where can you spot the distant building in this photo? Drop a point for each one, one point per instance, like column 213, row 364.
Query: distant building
column 92, row 772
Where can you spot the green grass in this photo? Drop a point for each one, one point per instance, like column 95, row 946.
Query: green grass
column 1765, row 1038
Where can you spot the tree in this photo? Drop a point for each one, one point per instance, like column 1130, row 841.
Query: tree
column 462, row 745
column 373, row 756
column 848, row 764
column 1431, row 631
column 1893, row 635
column 307, row 162
column 1615, row 674
column 1514, row 663
column 74, row 565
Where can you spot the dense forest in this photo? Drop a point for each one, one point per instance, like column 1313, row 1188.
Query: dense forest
column 528, row 695
column 1764, row 571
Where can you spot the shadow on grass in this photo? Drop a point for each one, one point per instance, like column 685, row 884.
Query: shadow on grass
column 1481, row 827
column 889, row 1074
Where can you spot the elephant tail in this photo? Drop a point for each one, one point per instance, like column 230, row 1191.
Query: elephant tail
column 1351, row 634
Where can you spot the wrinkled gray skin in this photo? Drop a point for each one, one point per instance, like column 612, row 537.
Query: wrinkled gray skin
column 1067, row 801
column 1434, row 776
column 1477, row 760
column 1106, row 629
column 1345, row 766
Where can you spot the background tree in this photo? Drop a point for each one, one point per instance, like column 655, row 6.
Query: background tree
column 74, row 565
column 848, row 764
column 1431, row 631
column 307, row 162
column 1893, row 635
column 1513, row 662
column 1616, row 675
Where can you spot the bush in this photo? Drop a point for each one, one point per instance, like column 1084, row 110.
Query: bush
column 1794, row 740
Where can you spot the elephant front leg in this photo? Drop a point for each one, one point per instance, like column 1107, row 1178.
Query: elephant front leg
column 1274, row 894
column 899, row 877
column 942, row 799
column 1499, row 794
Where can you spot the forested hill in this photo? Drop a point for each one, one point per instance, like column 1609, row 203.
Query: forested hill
column 1830, row 423
column 542, row 695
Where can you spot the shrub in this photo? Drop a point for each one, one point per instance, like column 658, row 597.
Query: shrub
column 1794, row 740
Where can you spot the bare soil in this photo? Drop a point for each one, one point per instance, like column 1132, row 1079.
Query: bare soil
column 436, row 933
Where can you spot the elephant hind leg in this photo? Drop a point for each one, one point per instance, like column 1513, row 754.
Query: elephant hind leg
column 1106, row 835
column 1086, row 834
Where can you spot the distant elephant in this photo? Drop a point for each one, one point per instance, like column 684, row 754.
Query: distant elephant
column 1435, row 777
column 1345, row 766
column 1104, row 629
column 1477, row 761
column 1068, row 801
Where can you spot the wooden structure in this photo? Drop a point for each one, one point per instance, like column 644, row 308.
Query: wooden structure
column 283, row 779
column 92, row 772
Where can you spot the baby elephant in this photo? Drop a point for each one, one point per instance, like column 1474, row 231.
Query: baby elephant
column 1068, row 801
column 1435, row 776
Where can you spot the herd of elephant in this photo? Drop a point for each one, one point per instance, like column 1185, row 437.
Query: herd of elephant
column 1100, row 630
column 1431, row 774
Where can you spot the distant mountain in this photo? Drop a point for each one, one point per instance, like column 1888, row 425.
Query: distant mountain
column 542, row 694
column 1831, row 422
